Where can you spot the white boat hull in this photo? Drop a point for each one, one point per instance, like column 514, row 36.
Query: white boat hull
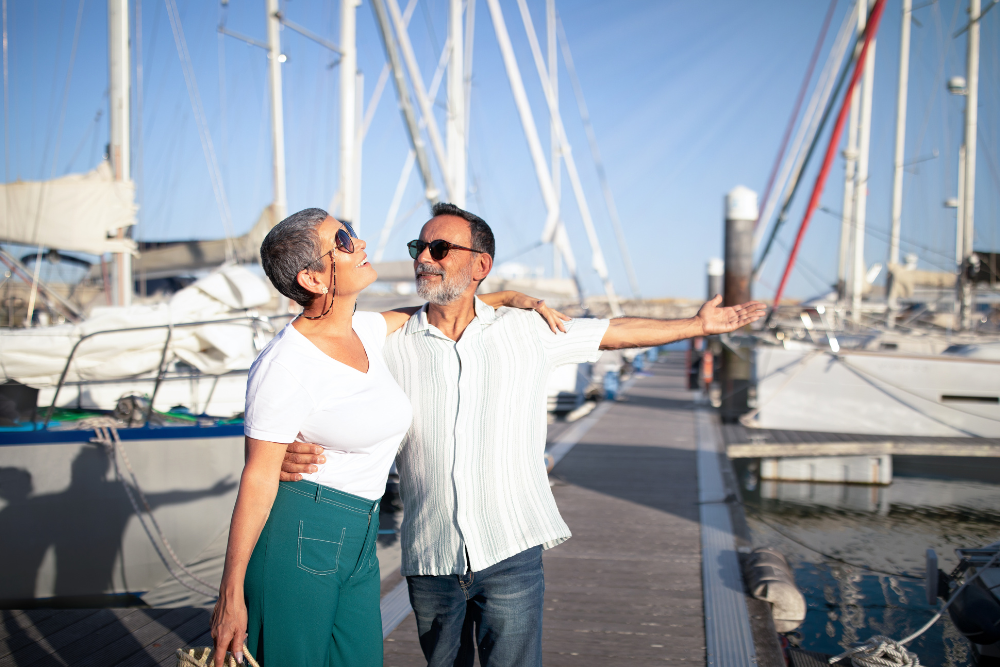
column 877, row 393
column 69, row 529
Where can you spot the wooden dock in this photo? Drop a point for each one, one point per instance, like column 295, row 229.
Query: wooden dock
column 627, row 589
column 630, row 587
column 742, row 442
column 130, row 637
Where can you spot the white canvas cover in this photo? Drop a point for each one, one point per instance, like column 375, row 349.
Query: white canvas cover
column 905, row 281
column 74, row 212
column 37, row 356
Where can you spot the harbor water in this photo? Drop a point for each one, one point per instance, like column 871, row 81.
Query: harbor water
column 858, row 552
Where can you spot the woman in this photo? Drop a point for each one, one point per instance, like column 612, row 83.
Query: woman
column 301, row 578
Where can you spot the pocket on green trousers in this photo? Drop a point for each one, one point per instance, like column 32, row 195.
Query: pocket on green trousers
column 318, row 551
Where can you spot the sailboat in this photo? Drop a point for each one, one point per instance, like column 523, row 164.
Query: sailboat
column 119, row 462
column 844, row 364
column 123, row 437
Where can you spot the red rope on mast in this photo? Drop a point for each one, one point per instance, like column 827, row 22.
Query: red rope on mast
column 831, row 150
column 796, row 109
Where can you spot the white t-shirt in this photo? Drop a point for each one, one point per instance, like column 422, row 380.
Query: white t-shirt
column 296, row 392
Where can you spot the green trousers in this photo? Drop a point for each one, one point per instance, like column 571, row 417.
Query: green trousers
column 312, row 584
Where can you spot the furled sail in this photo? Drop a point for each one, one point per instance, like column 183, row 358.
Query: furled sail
column 74, row 212
column 173, row 257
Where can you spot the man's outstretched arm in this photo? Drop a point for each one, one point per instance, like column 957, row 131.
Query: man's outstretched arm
column 624, row 332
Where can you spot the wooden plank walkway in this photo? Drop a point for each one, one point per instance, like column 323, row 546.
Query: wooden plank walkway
column 131, row 637
column 626, row 589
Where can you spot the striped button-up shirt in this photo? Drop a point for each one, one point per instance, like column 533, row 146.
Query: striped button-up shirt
column 471, row 470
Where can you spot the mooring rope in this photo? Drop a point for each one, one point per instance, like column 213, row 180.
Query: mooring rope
column 880, row 651
column 205, row 657
column 107, row 435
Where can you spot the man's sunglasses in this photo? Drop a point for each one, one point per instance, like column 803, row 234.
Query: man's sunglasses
column 439, row 249
column 344, row 241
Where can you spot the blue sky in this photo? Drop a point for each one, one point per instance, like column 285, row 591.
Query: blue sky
column 687, row 99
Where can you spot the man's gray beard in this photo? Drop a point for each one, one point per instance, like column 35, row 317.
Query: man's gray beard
column 448, row 289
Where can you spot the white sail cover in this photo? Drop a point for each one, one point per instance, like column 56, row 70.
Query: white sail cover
column 74, row 212
column 38, row 355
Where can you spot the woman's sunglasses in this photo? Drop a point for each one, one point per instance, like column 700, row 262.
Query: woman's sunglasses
column 344, row 241
column 439, row 249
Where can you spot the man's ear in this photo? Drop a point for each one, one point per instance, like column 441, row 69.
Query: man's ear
column 481, row 266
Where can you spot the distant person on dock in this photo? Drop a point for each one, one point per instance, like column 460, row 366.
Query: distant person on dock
column 301, row 578
column 478, row 510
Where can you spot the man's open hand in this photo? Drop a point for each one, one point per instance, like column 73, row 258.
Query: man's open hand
column 300, row 458
column 715, row 320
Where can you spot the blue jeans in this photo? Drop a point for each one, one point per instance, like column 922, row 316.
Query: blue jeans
column 498, row 609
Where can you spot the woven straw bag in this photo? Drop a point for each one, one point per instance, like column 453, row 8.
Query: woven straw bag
column 204, row 656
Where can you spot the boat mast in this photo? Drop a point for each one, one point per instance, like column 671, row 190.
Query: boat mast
column 554, row 231
column 274, row 58
column 850, row 162
column 960, row 207
column 455, row 127
column 550, row 32
column 119, row 150
column 897, row 172
column 968, row 195
column 348, row 104
column 517, row 85
column 861, row 187
column 424, row 101
column 431, row 191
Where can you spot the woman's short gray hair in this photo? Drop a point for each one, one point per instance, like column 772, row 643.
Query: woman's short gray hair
column 291, row 246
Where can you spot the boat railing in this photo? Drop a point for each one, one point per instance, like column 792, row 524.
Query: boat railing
column 258, row 324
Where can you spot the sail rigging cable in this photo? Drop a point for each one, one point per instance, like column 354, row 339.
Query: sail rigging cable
column 796, row 108
column 383, row 78
column 805, row 161
column 55, row 158
column 107, row 436
column 602, row 175
column 597, row 255
column 203, row 134
column 870, row 30
column 391, row 219
column 420, row 92
column 794, row 161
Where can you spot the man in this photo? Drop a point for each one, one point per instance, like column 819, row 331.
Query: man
column 478, row 510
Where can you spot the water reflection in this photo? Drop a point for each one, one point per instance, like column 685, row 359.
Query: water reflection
column 886, row 529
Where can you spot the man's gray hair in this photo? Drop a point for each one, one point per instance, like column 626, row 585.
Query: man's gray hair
column 291, row 246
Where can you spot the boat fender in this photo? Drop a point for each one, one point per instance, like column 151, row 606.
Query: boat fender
column 976, row 614
column 770, row 578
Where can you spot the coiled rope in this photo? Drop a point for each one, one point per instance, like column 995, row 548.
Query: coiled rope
column 204, row 656
column 106, row 432
column 880, row 651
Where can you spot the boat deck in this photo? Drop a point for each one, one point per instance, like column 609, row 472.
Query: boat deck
column 653, row 548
